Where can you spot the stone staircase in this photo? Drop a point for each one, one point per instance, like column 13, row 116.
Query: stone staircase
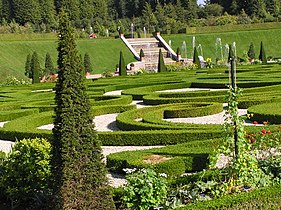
column 150, row 47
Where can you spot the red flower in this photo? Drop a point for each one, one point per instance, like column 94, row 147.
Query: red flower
column 264, row 123
column 279, row 127
column 255, row 123
column 247, row 136
column 268, row 132
column 253, row 140
column 252, row 134
column 263, row 131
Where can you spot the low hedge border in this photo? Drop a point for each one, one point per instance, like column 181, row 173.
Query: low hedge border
column 157, row 99
column 101, row 110
column 269, row 112
column 263, row 198
column 191, row 156
column 155, row 137
column 138, row 93
column 136, row 119
column 14, row 114
column 110, row 100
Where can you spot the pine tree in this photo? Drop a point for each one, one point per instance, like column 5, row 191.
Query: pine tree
column 35, row 68
column 26, row 11
column 86, row 9
column 196, row 58
column 28, row 72
column 251, row 51
column 160, row 16
column 72, row 8
column 262, row 55
column 7, row 12
column 161, row 64
column 78, row 173
column 47, row 13
column 122, row 65
column 49, row 66
column 87, row 63
column 141, row 54
column 178, row 53
column 100, row 9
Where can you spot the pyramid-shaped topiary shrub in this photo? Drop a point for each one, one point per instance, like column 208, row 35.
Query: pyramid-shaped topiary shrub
column 78, row 173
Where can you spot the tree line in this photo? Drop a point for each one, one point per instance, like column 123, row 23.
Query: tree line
column 106, row 16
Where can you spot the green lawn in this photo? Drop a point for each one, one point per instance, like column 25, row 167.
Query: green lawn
column 270, row 38
column 104, row 52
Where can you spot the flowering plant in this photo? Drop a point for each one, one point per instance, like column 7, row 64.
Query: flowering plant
column 243, row 166
column 267, row 148
column 144, row 189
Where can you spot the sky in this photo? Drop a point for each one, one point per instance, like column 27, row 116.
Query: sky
column 200, row 1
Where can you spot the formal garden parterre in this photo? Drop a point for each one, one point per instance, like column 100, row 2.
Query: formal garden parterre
column 26, row 107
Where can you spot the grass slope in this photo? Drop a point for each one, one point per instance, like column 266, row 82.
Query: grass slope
column 104, row 53
column 242, row 38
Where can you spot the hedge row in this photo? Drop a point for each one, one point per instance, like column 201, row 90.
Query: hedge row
column 26, row 127
column 101, row 110
column 110, row 100
column 263, row 198
column 201, row 110
column 176, row 159
column 156, row 99
column 155, row 137
column 138, row 93
column 135, row 119
column 14, row 114
column 270, row 112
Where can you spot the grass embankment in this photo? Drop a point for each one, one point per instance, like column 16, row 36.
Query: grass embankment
column 241, row 38
column 104, row 52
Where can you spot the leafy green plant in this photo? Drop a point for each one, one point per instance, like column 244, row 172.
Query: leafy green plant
column 243, row 166
column 25, row 171
column 144, row 189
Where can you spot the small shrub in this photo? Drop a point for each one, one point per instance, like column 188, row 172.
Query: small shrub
column 145, row 189
column 25, row 171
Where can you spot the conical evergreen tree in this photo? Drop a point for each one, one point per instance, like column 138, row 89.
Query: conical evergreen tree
column 26, row 11
column 262, row 55
column 28, row 72
column 122, row 66
column 141, row 54
column 178, row 53
column 251, row 51
column 161, row 64
column 87, row 63
column 79, row 180
column 49, row 66
column 196, row 58
column 35, row 68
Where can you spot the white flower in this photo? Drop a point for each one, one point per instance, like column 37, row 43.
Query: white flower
column 129, row 170
column 163, row 175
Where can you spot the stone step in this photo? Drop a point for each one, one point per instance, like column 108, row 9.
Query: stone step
column 142, row 39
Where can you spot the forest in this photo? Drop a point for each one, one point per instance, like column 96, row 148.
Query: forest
column 105, row 16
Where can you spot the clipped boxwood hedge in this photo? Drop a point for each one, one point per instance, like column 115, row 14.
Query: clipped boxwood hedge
column 187, row 157
column 101, row 110
column 14, row 114
column 269, row 112
column 138, row 93
column 263, row 198
column 150, row 118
